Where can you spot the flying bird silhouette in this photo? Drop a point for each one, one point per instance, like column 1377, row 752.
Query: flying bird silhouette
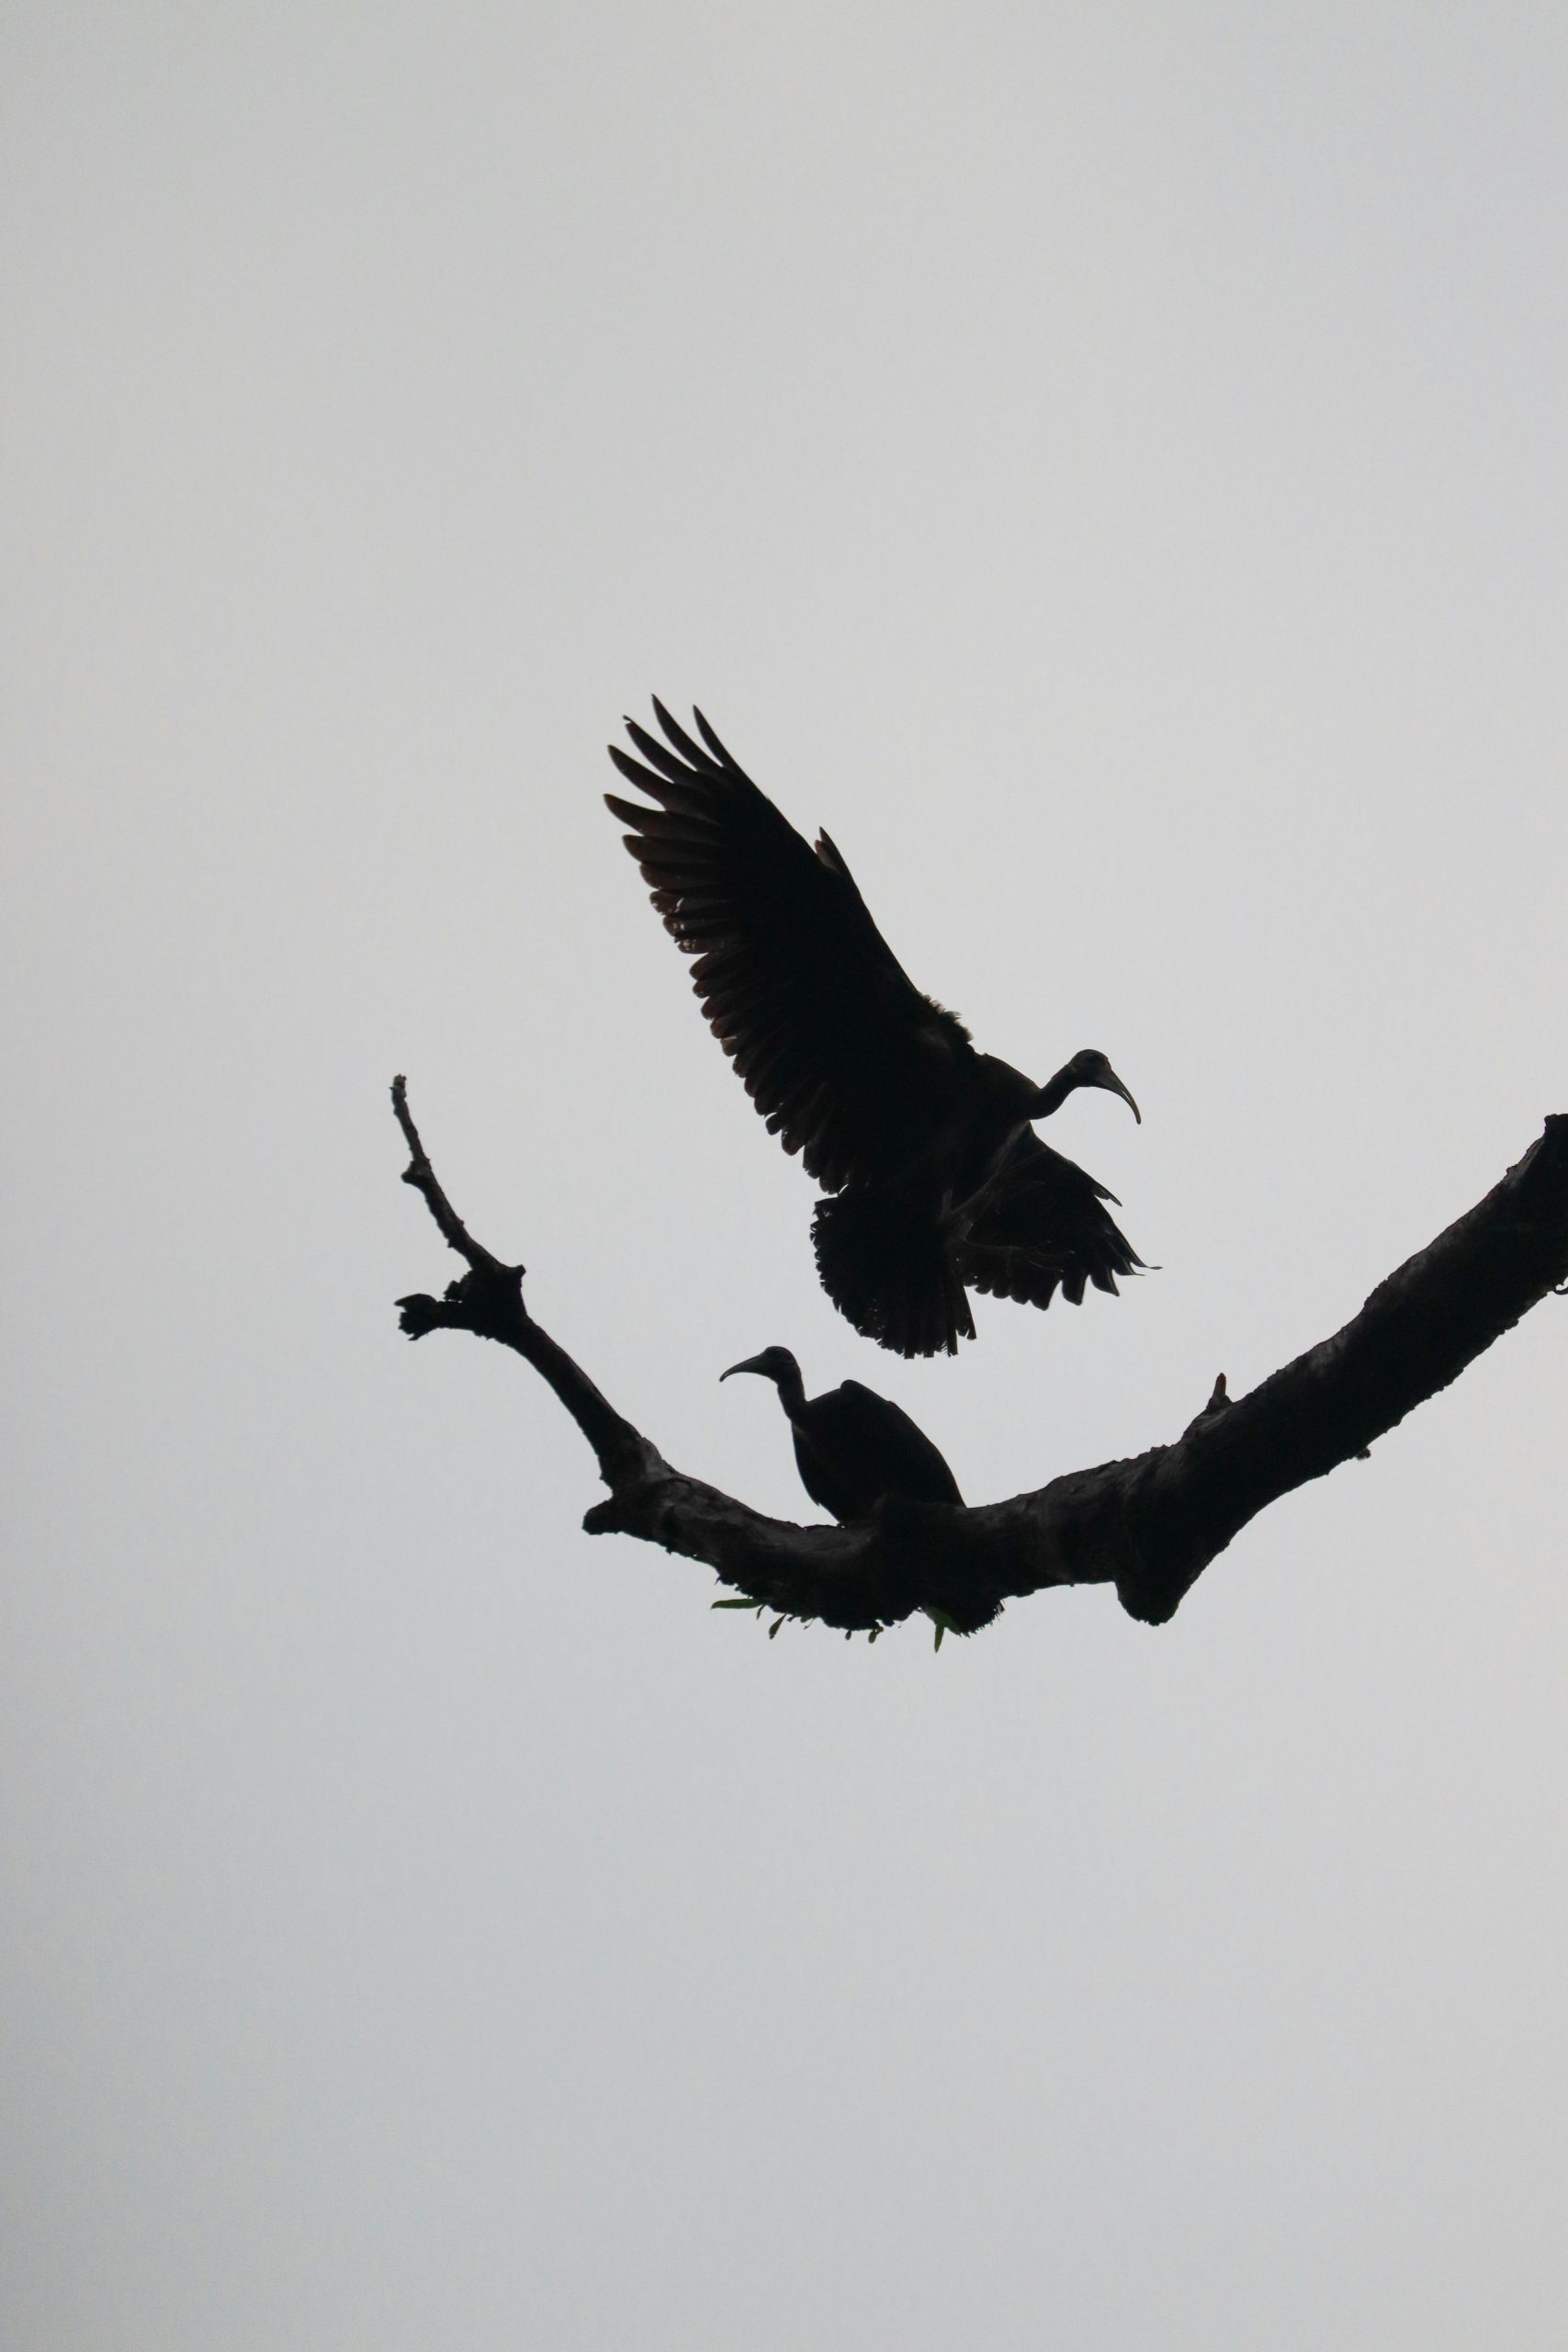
column 941, row 1186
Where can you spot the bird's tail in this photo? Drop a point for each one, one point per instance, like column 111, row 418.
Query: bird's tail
column 890, row 1273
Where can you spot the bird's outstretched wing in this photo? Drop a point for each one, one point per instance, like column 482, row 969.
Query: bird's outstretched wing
column 1041, row 1225
column 843, row 1057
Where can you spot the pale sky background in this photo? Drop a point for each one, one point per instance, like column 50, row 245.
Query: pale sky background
column 1110, row 464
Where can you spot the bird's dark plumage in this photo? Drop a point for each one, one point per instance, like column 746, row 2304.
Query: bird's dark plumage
column 844, row 1057
column 1038, row 1227
column 877, row 1087
column 854, row 1448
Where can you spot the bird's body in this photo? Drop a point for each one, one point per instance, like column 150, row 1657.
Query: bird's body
column 926, row 1142
column 854, row 1448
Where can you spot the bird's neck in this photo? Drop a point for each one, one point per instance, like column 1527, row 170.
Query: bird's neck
column 1054, row 1094
column 791, row 1391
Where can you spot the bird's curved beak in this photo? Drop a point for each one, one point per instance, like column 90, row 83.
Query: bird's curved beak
column 752, row 1363
column 1113, row 1085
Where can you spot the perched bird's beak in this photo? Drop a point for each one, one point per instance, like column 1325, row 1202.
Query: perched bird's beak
column 1113, row 1085
column 752, row 1363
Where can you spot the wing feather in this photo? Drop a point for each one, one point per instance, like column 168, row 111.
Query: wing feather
column 843, row 1057
column 1042, row 1226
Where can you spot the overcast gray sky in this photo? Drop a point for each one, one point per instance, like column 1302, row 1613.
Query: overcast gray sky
column 1108, row 463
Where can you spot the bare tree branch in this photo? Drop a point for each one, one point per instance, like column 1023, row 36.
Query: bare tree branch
column 488, row 1300
column 1149, row 1525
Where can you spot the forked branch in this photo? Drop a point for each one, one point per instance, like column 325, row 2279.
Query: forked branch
column 1149, row 1525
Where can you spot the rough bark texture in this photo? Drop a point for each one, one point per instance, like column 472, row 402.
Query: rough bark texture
column 1150, row 1525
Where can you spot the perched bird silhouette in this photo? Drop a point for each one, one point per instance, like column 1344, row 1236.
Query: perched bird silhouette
column 940, row 1184
column 852, row 1446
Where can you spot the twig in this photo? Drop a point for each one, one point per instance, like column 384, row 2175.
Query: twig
column 423, row 1177
column 488, row 1301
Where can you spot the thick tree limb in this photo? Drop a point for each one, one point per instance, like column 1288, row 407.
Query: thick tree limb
column 1149, row 1525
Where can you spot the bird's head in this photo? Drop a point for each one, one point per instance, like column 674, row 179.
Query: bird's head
column 774, row 1364
column 1089, row 1068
